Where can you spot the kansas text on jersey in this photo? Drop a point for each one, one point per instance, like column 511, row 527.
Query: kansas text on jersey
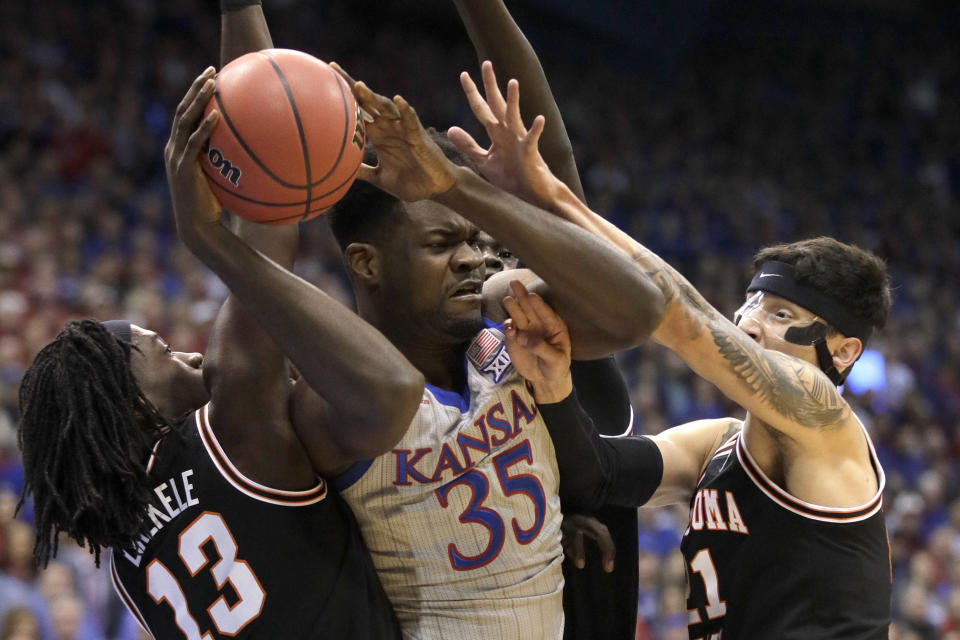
column 462, row 518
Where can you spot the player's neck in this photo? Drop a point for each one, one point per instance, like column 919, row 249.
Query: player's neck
column 442, row 366
column 436, row 354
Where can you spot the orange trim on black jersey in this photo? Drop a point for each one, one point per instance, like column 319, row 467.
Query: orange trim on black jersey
column 726, row 446
column 153, row 456
column 245, row 484
column 125, row 597
column 807, row 509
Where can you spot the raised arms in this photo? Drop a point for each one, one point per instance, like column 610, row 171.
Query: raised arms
column 585, row 272
column 497, row 38
column 369, row 389
column 787, row 393
column 244, row 369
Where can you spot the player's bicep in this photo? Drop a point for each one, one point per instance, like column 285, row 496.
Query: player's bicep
column 686, row 449
column 333, row 440
column 312, row 418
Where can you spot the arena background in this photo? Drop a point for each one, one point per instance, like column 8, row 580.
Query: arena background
column 705, row 128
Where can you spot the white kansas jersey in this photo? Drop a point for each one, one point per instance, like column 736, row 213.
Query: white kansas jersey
column 462, row 518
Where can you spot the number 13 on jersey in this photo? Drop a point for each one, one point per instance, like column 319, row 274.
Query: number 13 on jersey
column 163, row 586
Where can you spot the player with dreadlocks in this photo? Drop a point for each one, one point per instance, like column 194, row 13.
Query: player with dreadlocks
column 86, row 427
column 123, row 449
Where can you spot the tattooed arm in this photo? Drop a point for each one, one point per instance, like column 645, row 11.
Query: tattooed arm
column 789, row 394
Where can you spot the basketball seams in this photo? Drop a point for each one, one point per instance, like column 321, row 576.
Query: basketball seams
column 243, row 144
column 300, row 132
column 269, row 189
column 230, row 193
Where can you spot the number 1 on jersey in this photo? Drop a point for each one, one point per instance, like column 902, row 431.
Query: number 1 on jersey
column 702, row 563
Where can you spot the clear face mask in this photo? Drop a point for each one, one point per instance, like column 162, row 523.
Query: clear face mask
column 781, row 323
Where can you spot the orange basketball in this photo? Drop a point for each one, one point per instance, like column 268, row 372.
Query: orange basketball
column 289, row 141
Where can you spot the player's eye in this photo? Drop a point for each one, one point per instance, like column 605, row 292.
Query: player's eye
column 505, row 254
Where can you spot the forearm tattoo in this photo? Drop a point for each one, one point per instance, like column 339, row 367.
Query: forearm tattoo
column 793, row 390
column 790, row 388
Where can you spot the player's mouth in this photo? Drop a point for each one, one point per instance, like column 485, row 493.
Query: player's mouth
column 467, row 291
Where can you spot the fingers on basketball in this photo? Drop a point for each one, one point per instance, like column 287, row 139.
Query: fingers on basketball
column 181, row 129
column 201, row 136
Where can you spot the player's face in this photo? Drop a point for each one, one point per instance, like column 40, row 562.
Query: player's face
column 171, row 380
column 433, row 273
column 768, row 318
column 496, row 257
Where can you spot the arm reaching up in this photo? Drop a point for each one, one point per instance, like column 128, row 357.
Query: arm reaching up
column 246, row 372
column 364, row 381
column 585, row 274
column 497, row 38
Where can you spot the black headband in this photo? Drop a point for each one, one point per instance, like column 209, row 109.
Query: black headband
column 778, row 278
column 120, row 329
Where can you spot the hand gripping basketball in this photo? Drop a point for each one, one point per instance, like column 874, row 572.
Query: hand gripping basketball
column 410, row 164
column 193, row 202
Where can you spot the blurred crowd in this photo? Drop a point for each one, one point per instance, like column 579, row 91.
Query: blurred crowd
column 853, row 133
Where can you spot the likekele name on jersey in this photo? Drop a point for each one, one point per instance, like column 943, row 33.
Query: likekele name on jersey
column 175, row 495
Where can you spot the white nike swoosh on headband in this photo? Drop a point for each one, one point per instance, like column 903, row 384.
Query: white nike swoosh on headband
column 770, row 275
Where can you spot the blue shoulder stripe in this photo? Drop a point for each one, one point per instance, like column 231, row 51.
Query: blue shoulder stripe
column 353, row 473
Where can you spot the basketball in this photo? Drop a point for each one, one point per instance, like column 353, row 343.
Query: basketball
column 289, row 141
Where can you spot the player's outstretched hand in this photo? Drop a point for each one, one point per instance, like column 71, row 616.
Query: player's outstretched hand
column 194, row 204
column 538, row 343
column 410, row 164
column 513, row 161
column 575, row 527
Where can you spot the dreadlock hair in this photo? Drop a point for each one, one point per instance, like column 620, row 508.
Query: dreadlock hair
column 85, row 431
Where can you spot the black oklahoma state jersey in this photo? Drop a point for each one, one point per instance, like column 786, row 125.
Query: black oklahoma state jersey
column 227, row 557
column 762, row 565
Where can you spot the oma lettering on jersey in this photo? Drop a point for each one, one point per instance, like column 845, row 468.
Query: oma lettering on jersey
column 716, row 511
column 492, row 429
